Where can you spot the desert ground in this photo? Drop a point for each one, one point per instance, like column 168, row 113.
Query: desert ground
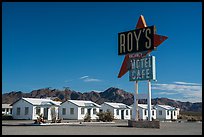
column 25, row 127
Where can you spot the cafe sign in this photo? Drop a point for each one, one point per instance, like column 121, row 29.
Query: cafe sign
column 142, row 68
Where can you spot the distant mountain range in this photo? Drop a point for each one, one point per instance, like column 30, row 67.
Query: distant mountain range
column 110, row 95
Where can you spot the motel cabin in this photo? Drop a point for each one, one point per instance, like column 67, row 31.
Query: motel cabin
column 143, row 111
column 165, row 112
column 6, row 109
column 119, row 110
column 31, row 108
column 160, row 112
column 78, row 109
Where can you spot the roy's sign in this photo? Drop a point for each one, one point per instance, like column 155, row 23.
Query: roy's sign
column 137, row 40
column 142, row 68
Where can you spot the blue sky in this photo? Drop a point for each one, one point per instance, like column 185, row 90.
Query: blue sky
column 76, row 45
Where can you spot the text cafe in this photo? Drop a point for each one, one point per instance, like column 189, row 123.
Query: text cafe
column 142, row 68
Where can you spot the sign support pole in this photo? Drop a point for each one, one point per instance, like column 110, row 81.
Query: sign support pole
column 139, row 73
column 136, row 101
column 149, row 101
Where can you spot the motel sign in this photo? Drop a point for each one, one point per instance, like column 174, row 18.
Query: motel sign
column 142, row 68
column 136, row 40
column 136, row 45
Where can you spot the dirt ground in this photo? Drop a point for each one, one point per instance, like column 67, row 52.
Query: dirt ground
column 11, row 127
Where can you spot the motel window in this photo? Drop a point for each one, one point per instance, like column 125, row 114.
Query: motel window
column 82, row 110
column 38, row 110
column 117, row 111
column 71, row 111
column 94, row 111
column 126, row 112
column 145, row 111
column 167, row 112
column 26, row 110
column 18, row 111
column 3, row 109
column 152, row 112
column 100, row 110
column 160, row 112
column 174, row 113
column 63, row 111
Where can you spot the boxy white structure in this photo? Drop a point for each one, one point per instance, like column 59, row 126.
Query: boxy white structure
column 31, row 108
column 77, row 109
column 119, row 110
column 165, row 112
column 6, row 109
column 143, row 112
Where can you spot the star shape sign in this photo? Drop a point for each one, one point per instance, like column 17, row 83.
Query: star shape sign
column 158, row 39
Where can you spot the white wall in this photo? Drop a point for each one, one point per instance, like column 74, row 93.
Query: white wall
column 67, row 105
column 93, row 116
column 34, row 115
column 127, row 115
column 178, row 110
column 31, row 112
column 82, row 116
column 155, row 114
column 168, row 114
column 77, row 111
column 7, row 111
column 22, row 104
column 49, row 116
column 105, row 107
column 164, row 115
column 174, row 114
column 159, row 115
column 142, row 115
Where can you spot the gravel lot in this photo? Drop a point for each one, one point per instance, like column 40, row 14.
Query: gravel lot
column 10, row 127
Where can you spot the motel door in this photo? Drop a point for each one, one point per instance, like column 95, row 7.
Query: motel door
column 122, row 114
column 89, row 111
column 45, row 113
column 171, row 114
